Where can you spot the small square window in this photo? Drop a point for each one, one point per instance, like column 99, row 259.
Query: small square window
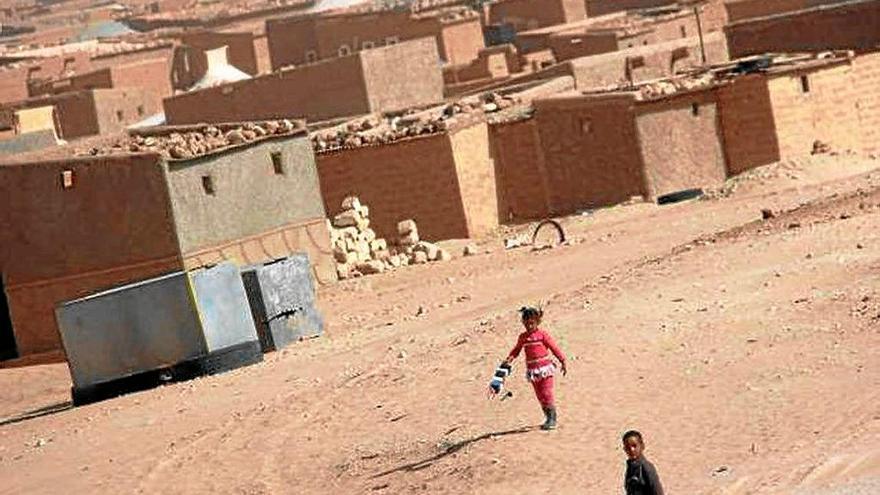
column 695, row 109
column 344, row 51
column 208, row 184
column 368, row 45
column 140, row 110
column 277, row 162
column 311, row 56
column 120, row 116
column 392, row 40
column 805, row 84
column 67, row 179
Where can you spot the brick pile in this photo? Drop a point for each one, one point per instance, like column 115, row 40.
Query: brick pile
column 358, row 251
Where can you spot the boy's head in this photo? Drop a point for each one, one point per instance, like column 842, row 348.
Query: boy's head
column 633, row 444
column 531, row 317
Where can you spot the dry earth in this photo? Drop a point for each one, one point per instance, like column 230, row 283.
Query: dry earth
column 746, row 350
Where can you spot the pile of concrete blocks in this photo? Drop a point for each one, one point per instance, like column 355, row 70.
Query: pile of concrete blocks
column 358, row 251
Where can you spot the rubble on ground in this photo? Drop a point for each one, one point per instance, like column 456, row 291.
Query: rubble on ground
column 358, row 251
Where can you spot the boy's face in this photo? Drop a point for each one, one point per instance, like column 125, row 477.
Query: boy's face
column 531, row 323
column 633, row 447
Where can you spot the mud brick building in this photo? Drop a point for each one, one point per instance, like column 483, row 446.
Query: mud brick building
column 522, row 15
column 493, row 64
column 600, row 150
column 595, row 8
column 444, row 181
column 90, row 112
column 738, row 10
column 307, row 39
column 853, row 24
column 190, row 63
column 648, row 62
column 383, row 79
column 783, row 111
column 608, row 33
column 75, row 225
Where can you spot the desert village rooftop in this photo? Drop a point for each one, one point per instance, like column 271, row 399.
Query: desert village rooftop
column 173, row 143
column 715, row 75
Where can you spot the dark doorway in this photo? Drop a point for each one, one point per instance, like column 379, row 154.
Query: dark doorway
column 7, row 338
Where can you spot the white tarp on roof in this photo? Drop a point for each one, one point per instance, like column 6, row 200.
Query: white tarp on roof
column 219, row 70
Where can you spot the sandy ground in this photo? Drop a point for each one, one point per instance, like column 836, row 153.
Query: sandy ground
column 745, row 350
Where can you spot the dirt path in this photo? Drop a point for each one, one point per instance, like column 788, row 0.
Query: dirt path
column 748, row 358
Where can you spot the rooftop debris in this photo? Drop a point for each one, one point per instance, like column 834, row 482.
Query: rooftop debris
column 193, row 141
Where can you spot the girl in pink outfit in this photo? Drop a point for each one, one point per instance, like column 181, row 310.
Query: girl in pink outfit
column 540, row 368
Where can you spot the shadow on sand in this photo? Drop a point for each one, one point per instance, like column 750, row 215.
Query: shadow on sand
column 37, row 413
column 451, row 449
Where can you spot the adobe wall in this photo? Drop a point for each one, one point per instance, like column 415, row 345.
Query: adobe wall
column 476, row 178
column 866, row 83
column 748, row 129
column 739, row 10
column 285, row 94
column 854, row 25
column 403, row 75
column 102, row 247
column 289, row 39
column 532, row 14
column 568, row 46
column 591, row 151
column 96, row 79
column 116, row 109
column 152, row 75
column 595, row 8
column 241, row 50
column 516, row 152
column 414, row 178
column 249, row 197
column 680, row 143
column 647, row 62
column 828, row 112
column 461, row 42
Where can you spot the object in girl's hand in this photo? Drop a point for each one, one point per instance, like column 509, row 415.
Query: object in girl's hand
column 497, row 383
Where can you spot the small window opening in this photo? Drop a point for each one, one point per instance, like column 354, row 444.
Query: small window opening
column 208, row 184
column 140, row 110
column 805, row 84
column 695, row 109
column 120, row 116
column 684, row 32
column 392, row 40
column 645, row 42
column 586, row 126
column 277, row 162
column 344, row 50
column 311, row 56
column 67, row 179
column 368, row 45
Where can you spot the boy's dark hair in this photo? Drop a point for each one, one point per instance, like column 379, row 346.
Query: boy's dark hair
column 633, row 433
column 530, row 312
